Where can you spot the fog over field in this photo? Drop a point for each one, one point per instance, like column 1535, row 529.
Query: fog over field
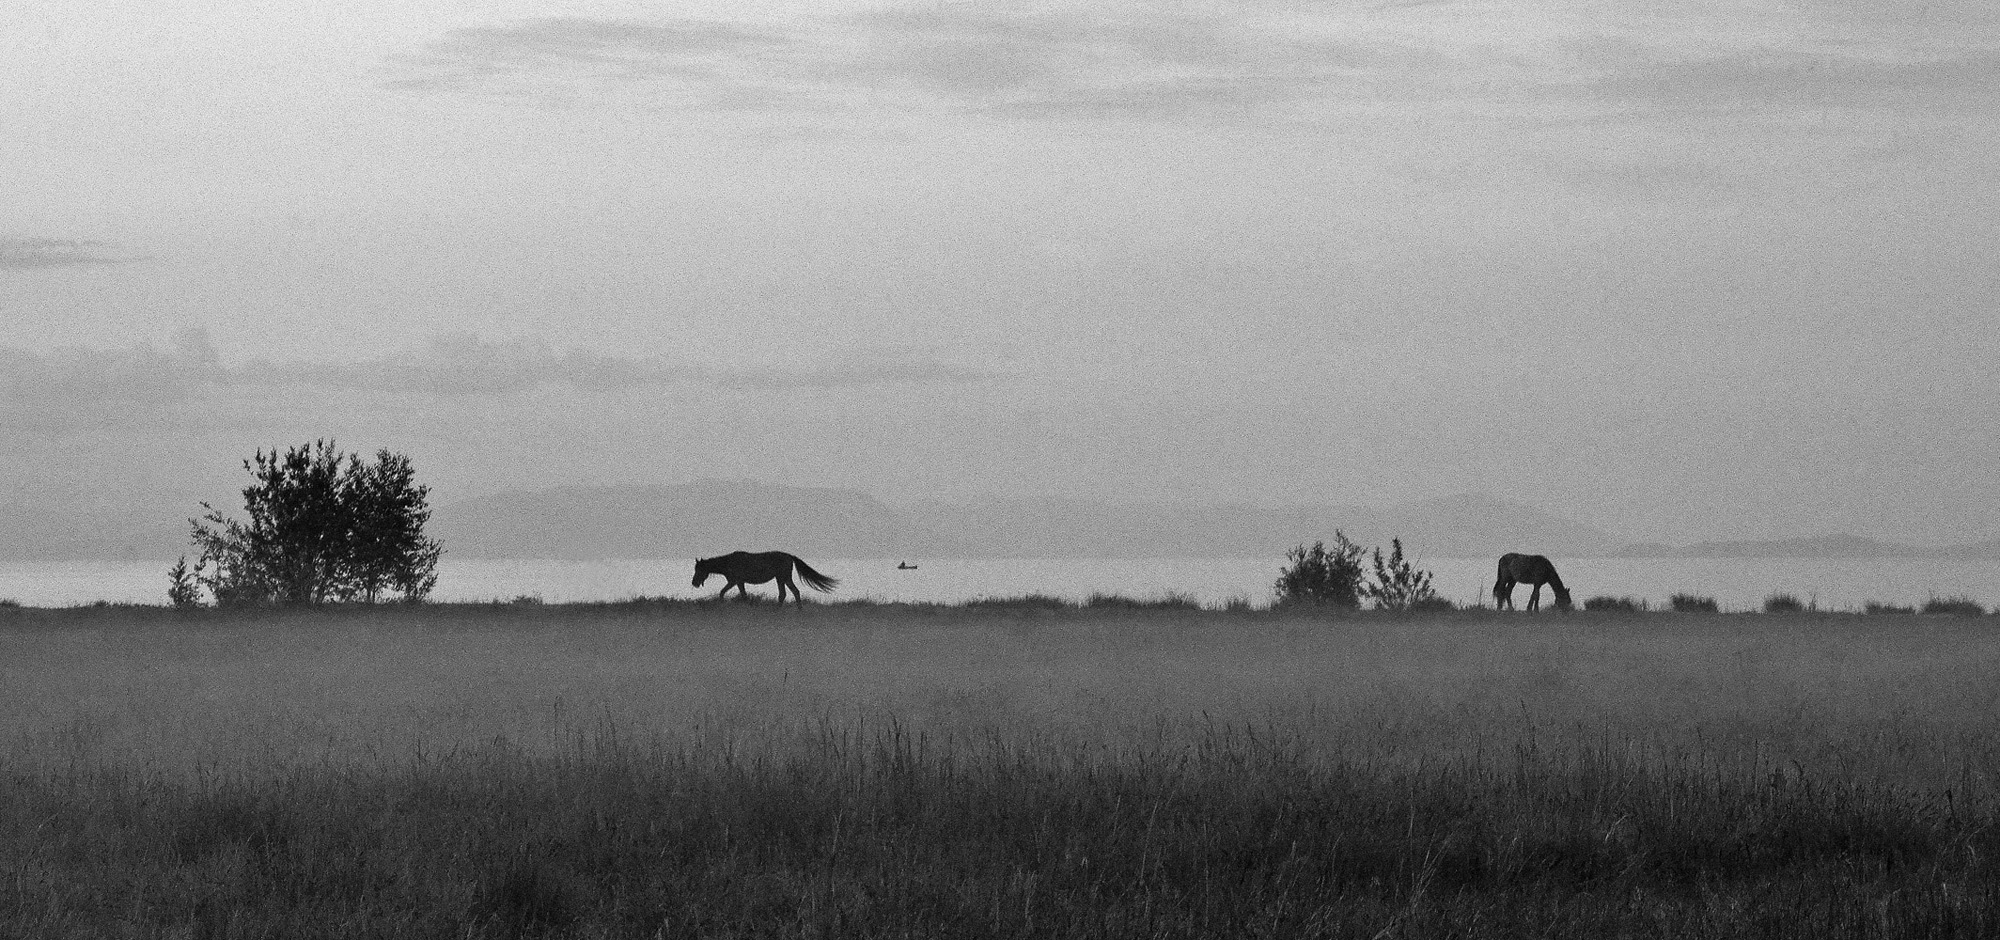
column 1719, row 271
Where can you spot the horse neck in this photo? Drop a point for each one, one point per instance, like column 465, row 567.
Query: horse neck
column 1555, row 580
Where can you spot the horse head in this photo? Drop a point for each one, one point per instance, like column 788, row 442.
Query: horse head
column 701, row 571
column 1562, row 598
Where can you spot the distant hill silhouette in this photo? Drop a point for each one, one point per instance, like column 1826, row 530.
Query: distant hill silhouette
column 53, row 522
column 714, row 516
column 707, row 517
column 1455, row 526
column 1840, row 545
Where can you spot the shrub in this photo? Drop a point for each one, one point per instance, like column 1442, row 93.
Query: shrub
column 1238, row 604
column 1878, row 608
column 1433, row 604
column 322, row 527
column 8, row 603
column 1623, row 605
column 1693, row 604
column 1399, row 584
column 1321, row 578
column 1783, row 604
column 1960, row 606
column 182, row 591
column 526, row 600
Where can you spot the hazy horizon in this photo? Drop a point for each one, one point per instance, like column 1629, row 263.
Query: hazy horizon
column 1720, row 272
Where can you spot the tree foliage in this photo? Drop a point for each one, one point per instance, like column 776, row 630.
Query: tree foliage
column 1399, row 584
column 322, row 527
column 1321, row 577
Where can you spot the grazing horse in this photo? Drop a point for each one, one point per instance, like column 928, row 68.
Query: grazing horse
column 740, row 568
column 1534, row 570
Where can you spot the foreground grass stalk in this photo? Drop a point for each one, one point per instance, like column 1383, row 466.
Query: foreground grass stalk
column 835, row 834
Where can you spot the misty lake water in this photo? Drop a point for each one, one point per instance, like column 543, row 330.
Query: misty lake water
column 1739, row 583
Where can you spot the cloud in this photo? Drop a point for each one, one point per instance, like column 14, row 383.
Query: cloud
column 1149, row 61
column 695, row 63
column 1788, row 80
column 17, row 254
column 1305, row 62
column 450, row 366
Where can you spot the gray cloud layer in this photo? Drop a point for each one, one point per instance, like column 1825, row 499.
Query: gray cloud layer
column 1143, row 61
column 32, row 253
column 450, row 366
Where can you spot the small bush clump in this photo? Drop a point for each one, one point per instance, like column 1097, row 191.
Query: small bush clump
column 1622, row 605
column 1693, row 604
column 1960, row 606
column 1783, row 604
column 1875, row 607
column 1400, row 584
column 1318, row 577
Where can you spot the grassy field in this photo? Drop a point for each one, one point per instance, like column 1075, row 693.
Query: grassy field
column 677, row 769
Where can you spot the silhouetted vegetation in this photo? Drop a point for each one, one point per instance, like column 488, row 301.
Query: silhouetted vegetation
column 1399, row 584
column 1334, row 578
column 1317, row 577
column 1169, row 601
column 1875, row 607
column 322, row 527
column 1954, row 606
column 1782, row 603
column 1022, row 602
column 1623, row 605
column 1692, row 604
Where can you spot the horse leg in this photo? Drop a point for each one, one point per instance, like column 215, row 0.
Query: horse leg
column 1535, row 598
column 1503, row 594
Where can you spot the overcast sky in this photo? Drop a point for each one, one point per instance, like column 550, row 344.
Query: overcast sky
column 1683, row 271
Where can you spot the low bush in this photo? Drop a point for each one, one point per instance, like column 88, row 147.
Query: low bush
column 1783, row 604
column 1960, row 606
column 1623, row 605
column 1693, row 604
column 1399, row 584
column 1875, row 607
column 1319, row 577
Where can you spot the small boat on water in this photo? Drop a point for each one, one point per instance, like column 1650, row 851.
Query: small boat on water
column 905, row 566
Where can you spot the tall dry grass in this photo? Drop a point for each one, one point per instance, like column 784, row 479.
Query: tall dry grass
column 876, row 770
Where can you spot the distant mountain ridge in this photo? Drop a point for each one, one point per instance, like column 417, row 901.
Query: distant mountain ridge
column 1838, row 545
column 706, row 517
column 715, row 516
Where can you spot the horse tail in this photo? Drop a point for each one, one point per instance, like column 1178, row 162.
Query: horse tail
column 814, row 579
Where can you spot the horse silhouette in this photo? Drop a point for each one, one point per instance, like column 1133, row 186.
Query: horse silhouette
column 741, row 568
column 1533, row 570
